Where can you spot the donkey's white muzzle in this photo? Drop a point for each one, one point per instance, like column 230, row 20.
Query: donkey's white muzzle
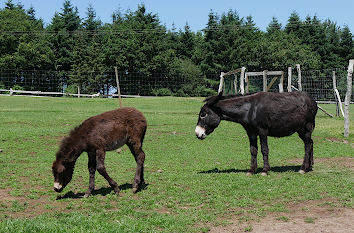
column 200, row 132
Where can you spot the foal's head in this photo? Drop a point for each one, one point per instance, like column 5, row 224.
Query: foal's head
column 62, row 172
column 209, row 117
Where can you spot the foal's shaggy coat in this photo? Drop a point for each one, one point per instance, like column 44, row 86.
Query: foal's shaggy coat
column 96, row 135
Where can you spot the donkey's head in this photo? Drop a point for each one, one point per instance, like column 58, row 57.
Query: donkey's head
column 62, row 172
column 209, row 117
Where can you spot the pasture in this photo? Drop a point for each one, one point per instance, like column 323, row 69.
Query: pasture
column 191, row 185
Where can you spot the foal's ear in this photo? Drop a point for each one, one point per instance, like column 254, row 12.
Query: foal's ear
column 60, row 168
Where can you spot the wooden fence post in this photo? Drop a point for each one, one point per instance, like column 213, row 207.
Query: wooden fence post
column 265, row 81
column 247, row 83
column 118, row 87
column 289, row 79
column 339, row 105
column 334, row 92
column 281, row 88
column 235, row 83
column 78, row 91
column 299, row 77
column 242, row 80
column 347, row 97
column 221, row 82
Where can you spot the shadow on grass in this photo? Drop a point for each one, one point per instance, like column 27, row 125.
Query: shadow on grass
column 101, row 191
column 273, row 169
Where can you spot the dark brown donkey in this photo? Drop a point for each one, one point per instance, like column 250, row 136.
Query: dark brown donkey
column 263, row 114
column 96, row 135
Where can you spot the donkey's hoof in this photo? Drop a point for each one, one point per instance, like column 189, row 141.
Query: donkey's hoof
column 135, row 190
column 86, row 195
column 116, row 190
column 249, row 173
column 301, row 171
column 264, row 174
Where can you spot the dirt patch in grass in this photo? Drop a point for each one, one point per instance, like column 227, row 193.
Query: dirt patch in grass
column 310, row 216
column 333, row 139
column 20, row 206
column 347, row 162
column 167, row 133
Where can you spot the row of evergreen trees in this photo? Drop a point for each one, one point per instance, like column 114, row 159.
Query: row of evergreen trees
column 137, row 42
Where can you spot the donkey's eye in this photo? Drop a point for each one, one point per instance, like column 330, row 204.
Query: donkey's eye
column 203, row 115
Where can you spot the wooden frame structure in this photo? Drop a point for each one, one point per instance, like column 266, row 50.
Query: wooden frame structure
column 233, row 72
column 265, row 73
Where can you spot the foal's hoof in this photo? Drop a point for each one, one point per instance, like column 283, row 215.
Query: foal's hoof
column 249, row 173
column 264, row 174
column 301, row 171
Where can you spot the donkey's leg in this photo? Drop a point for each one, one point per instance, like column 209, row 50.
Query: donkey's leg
column 139, row 155
column 308, row 158
column 312, row 127
column 265, row 151
column 254, row 149
column 100, row 156
column 92, row 170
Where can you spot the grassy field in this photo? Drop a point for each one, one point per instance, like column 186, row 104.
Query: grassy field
column 192, row 185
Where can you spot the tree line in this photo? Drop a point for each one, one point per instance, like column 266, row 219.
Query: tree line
column 137, row 42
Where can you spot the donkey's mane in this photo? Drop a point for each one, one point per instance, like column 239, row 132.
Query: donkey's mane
column 68, row 143
column 215, row 98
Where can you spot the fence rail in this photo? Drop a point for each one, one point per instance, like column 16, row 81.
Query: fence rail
column 318, row 83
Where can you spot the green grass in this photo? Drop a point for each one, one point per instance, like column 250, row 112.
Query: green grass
column 192, row 185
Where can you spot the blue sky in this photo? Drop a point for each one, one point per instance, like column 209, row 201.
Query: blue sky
column 195, row 12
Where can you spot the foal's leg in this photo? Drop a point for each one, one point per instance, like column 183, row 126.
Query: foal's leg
column 100, row 156
column 92, row 169
column 265, row 151
column 139, row 155
column 308, row 159
column 254, row 149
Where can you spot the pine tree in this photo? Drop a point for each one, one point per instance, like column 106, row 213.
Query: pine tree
column 346, row 44
column 274, row 26
column 64, row 24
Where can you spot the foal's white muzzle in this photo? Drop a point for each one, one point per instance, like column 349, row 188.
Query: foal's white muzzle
column 200, row 132
column 58, row 187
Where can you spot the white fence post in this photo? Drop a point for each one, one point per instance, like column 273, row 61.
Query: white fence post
column 265, row 81
column 221, row 82
column 281, row 88
column 347, row 97
column 289, row 79
column 299, row 77
column 242, row 80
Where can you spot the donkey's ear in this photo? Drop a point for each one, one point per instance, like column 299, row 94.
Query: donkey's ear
column 211, row 100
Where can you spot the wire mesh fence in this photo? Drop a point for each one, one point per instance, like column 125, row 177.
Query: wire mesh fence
column 59, row 83
column 318, row 83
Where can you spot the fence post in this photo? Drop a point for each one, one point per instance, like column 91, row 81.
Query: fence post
column 334, row 90
column 247, row 83
column 235, row 83
column 347, row 97
column 78, row 91
column 265, row 81
column 242, row 80
column 299, row 77
column 281, row 88
column 221, row 82
column 118, row 87
column 289, row 79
